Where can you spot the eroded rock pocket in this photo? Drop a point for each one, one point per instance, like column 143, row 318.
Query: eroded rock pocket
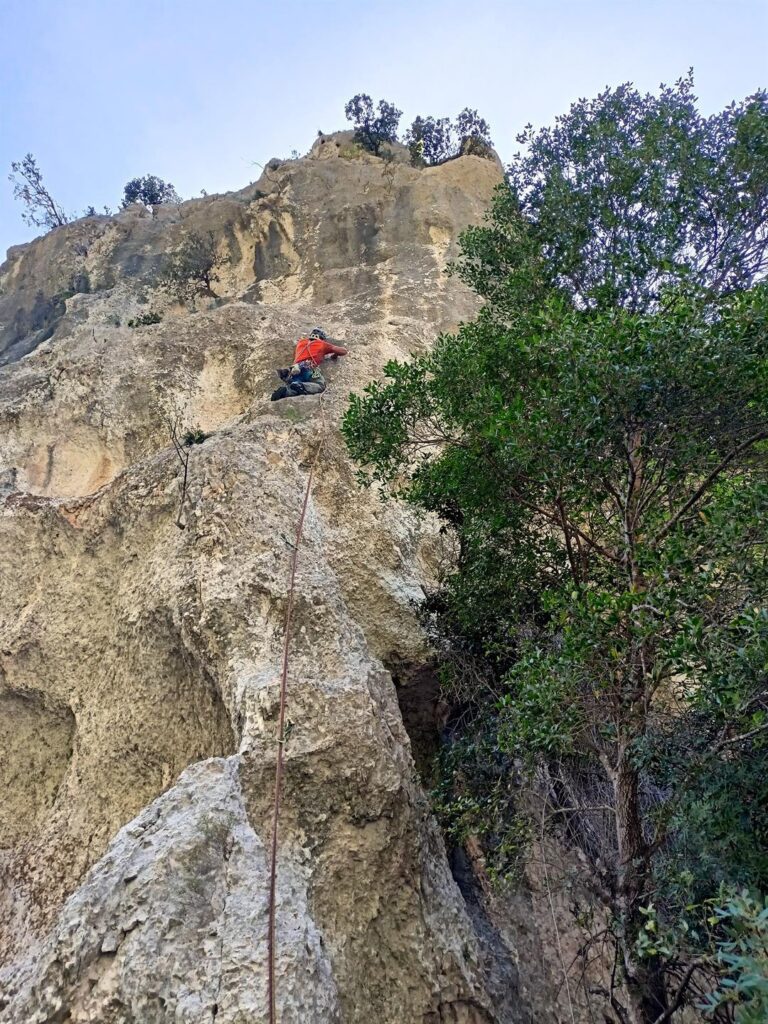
column 36, row 735
column 424, row 712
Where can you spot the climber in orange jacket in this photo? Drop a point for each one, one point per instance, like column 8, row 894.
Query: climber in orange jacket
column 304, row 377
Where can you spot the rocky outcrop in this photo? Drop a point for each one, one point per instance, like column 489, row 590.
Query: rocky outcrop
column 141, row 627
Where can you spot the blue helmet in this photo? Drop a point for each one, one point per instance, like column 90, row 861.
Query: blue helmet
column 318, row 332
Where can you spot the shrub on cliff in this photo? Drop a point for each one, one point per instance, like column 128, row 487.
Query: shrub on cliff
column 597, row 442
column 191, row 269
column 430, row 140
column 373, row 127
column 435, row 140
column 473, row 133
column 146, row 319
column 150, row 190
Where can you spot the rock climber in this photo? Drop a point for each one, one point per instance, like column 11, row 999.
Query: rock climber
column 304, row 376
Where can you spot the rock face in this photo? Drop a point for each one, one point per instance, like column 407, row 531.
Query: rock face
column 141, row 635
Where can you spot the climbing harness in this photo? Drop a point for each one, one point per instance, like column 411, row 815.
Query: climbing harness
column 271, row 996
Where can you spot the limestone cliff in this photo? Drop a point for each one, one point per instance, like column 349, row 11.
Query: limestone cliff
column 139, row 661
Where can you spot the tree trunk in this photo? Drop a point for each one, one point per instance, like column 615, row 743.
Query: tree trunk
column 644, row 980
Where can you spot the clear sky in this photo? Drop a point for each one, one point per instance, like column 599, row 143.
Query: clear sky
column 104, row 90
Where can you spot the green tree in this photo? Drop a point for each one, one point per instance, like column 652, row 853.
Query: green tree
column 597, row 442
column 192, row 268
column 430, row 140
column 40, row 208
column 373, row 127
column 150, row 190
column 473, row 133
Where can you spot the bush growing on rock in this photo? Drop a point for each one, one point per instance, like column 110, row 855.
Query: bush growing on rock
column 193, row 435
column 474, row 133
column 430, row 140
column 146, row 319
column 191, row 269
column 149, row 190
column 372, row 128
column 434, row 140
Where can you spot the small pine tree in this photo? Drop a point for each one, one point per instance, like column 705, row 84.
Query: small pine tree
column 372, row 130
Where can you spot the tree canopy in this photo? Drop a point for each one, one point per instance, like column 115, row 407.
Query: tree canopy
column 150, row 190
column 597, row 442
column 431, row 140
column 373, row 127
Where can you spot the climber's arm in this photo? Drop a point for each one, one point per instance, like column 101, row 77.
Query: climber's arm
column 332, row 349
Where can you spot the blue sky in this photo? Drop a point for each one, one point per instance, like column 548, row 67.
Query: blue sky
column 196, row 92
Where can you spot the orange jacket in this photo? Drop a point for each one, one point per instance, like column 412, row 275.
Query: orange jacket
column 314, row 350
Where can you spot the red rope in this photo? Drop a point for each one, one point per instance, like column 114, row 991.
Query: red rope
column 281, row 734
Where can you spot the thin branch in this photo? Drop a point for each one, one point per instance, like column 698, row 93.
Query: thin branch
column 680, row 995
column 707, row 483
column 568, row 546
column 184, row 460
column 620, row 1010
column 742, row 737
column 555, row 520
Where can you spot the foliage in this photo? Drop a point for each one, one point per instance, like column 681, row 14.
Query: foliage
column 743, row 953
column 146, row 319
column 40, row 208
column 435, row 140
column 191, row 269
column 430, row 140
column 475, row 798
column 194, row 435
column 473, row 132
column 372, row 127
column 627, row 195
column 388, row 170
column 149, row 190
column 597, row 442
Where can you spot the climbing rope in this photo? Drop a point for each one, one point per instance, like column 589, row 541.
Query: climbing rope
column 271, row 995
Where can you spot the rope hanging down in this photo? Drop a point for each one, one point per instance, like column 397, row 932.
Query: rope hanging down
column 281, row 729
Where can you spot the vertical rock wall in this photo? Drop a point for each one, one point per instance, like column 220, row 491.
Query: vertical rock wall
column 139, row 661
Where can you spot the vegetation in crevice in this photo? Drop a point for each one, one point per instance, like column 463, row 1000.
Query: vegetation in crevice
column 146, row 319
